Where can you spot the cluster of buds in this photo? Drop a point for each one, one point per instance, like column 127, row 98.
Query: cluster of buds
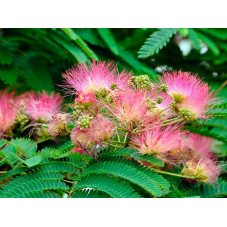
column 140, row 82
column 84, row 121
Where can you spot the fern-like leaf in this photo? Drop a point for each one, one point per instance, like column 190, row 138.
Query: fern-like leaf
column 108, row 38
column 73, row 36
column 156, row 42
column 127, row 170
column 110, row 185
column 25, row 145
column 131, row 153
column 37, row 185
column 89, row 194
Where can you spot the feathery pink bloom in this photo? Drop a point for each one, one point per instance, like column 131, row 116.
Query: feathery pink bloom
column 129, row 107
column 189, row 91
column 201, row 146
column 41, row 106
column 85, row 79
column 158, row 140
column 8, row 110
column 204, row 170
column 100, row 129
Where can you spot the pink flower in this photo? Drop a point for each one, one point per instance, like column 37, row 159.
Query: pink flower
column 201, row 146
column 100, row 129
column 85, row 79
column 204, row 170
column 189, row 92
column 8, row 110
column 41, row 106
column 129, row 107
column 158, row 140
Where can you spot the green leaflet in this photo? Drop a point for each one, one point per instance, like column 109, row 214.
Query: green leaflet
column 156, row 42
column 76, row 52
column 89, row 194
column 112, row 186
column 25, row 145
column 37, row 185
column 108, row 37
column 131, row 153
column 73, row 36
column 130, row 171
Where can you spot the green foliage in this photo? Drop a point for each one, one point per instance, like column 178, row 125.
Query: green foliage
column 89, row 194
column 129, row 171
column 73, row 36
column 156, row 42
column 108, row 38
column 130, row 153
column 110, row 185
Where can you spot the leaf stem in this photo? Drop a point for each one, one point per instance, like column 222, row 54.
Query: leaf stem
column 172, row 174
column 88, row 109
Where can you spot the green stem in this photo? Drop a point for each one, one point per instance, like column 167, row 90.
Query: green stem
column 113, row 141
column 113, row 145
column 71, row 182
column 172, row 119
column 126, row 136
column 165, row 109
column 88, row 109
column 173, row 122
column 3, row 171
column 172, row 174
column 156, row 93
column 172, row 111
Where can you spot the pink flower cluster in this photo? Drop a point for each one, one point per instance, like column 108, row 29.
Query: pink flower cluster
column 19, row 110
column 119, row 110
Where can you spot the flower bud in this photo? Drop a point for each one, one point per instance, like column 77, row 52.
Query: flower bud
column 164, row 88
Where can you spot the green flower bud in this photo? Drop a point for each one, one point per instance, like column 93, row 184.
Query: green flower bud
column 164, row 88
column 159, row 99
column 113, row 86
column 84, row 121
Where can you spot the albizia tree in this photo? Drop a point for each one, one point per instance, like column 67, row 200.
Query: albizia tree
column 118, row 110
